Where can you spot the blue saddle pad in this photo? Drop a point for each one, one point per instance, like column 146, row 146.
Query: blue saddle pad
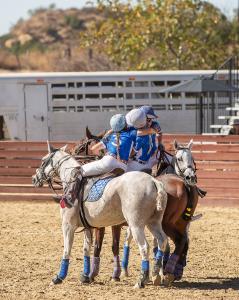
column 97, row 189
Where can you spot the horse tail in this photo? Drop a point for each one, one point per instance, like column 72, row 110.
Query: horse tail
column 162, row 196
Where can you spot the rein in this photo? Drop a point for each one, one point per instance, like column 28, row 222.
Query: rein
column 49, row 179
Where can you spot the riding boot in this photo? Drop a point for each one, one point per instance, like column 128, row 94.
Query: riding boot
column 72, row 191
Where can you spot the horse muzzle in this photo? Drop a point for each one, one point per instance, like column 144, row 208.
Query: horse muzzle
column 191, row 180
column 36, row 181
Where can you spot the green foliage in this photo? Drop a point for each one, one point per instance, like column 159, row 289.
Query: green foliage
column 18, row 49
column 74, row 22
column 162, row 34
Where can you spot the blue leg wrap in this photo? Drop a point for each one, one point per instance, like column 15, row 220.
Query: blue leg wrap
column 145, row 265
column 159, row 254
column 125, row 260
column 64, row 268
column 86, row 265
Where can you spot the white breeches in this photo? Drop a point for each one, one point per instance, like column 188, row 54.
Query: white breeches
column 106, row 164
column 134, row 165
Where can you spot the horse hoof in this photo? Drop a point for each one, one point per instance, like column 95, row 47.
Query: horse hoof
column 92, row 279
column 168, row 279
column 56, row 280
column 139, row 285
column 125, row 273
column 115, row 279
column 156, row 279
column 85, row 279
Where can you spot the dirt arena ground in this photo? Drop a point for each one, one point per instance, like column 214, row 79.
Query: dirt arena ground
column 31, row 249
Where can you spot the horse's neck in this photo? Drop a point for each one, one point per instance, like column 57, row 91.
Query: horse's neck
column 65, row 171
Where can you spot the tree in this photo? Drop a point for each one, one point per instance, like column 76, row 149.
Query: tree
column 161, row 34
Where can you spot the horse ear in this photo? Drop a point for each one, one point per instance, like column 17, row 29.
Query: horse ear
column 50, row 147
column 64, row 148
column 190, row 144
column 88, row 133
column 175, row 144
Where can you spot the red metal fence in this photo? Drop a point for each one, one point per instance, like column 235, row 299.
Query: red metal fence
column 217, row 159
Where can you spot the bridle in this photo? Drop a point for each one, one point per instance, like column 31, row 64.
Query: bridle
column 84, row 147
column 175, row 162
column 54, row 168
column 182, row 171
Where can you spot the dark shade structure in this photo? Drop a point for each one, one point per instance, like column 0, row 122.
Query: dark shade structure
column 200, row 86
column 205, row 87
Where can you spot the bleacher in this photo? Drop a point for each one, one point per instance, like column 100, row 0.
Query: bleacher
column 216, row 156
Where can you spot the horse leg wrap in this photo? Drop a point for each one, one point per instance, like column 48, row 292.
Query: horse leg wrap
column 144, row 276
column 125, row 260
column 171, row 264
column 158, row 256
column 86, row 265
column 95, row 267
column 178, row 272
column 84, row 277
column 117, row 268
column 63, row 272
column 165, row 259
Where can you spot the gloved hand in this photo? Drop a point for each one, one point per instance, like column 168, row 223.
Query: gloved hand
column 161, row 147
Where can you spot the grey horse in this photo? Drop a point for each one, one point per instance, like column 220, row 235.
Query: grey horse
column 134, row 197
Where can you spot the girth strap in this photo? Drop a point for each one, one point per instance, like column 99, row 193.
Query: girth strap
column 82, row 211
column 187, row 214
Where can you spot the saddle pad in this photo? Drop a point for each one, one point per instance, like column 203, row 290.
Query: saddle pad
column 97, row 189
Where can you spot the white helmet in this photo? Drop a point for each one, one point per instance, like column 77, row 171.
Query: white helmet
column 136, row 118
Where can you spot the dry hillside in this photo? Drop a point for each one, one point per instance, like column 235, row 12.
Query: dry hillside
column 49, row 40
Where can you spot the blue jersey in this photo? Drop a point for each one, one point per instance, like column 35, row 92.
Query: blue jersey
column 127, row 141
column 145, row 147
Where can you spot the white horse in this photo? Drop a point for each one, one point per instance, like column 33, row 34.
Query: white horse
column 134, row 197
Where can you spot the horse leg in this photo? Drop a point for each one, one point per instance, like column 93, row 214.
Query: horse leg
column 140, row 239
column 95, row 267
column 125, row 259
column 178, row 272
column 166, row 255
column 84, row 278
column 161, row 239
column 68, row 235
column 179, row 241
column 116, row 230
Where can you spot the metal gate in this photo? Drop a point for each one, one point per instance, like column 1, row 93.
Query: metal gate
column 213, row 104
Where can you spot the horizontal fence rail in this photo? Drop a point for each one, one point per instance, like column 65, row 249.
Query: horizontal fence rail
column 217, row 160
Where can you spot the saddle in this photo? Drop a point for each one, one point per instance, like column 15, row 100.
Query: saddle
column 93, row 180
column 83, row 187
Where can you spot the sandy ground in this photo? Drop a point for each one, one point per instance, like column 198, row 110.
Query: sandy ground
column 31, row 249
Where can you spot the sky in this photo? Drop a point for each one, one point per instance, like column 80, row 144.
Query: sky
column 12, row 10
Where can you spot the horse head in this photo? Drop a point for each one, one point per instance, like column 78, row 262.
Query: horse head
column 84, row 147
column 50, row 164
column 184, row 163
